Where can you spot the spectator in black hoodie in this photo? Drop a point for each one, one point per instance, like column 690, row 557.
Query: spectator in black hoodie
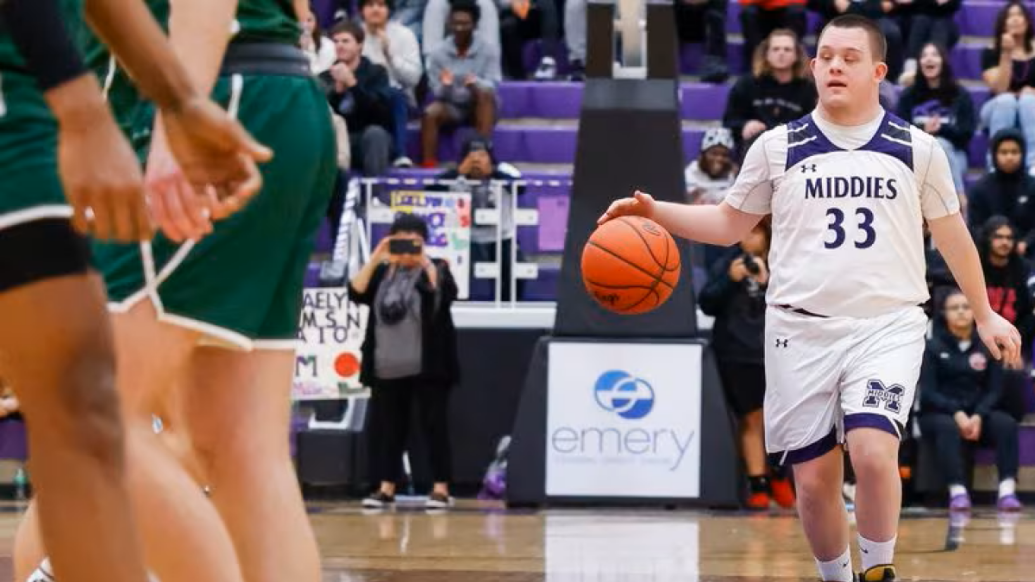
column 960, row 386
column 931, row 21
column 735, row 296
column 937, row 104
column 359, row 91
column 1006, row 276
column 778, row 89
column 883, row 12
column 1007, row 190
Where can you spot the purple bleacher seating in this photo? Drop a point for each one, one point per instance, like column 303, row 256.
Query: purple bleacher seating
column 966, row 57
column 13, row 440
column 549, row 144
column 563, row 100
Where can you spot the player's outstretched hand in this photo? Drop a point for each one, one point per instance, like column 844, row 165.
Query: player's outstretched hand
column 215, row 154
column 1001, row 337
column 639, row 204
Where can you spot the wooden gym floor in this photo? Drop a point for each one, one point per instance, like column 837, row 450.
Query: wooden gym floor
column 481, row 542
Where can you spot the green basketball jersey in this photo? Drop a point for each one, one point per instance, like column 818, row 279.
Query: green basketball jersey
column 267, row 21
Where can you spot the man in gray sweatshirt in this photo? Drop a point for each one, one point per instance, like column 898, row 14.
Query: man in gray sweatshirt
column 463, row 74
column 394, row 47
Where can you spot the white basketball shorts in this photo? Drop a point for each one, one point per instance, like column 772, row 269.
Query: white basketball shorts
column 829, row 375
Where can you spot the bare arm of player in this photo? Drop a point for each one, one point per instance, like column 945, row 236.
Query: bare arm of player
column 213, row 149
column 302, row 10
column 747, row 202
column 940, row 206
column 199, row 31
column 953, row 240
column 98, row 171
column 719, row 224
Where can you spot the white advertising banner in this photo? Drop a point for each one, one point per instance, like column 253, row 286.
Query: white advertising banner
column 623, row 420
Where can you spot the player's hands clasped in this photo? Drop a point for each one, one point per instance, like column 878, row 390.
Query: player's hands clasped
column 1001, row 338
column 180, row 212
column 214, row 151
column 639, row 204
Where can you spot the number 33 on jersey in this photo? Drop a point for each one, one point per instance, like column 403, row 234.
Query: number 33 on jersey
column 848, row 205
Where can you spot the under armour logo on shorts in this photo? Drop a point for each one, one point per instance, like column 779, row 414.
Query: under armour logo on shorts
column 781, row 343
column 805, row 168
column 891, row 396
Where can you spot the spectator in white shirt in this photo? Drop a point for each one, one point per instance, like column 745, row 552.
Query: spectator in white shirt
column 395, row 47
column 713, row 172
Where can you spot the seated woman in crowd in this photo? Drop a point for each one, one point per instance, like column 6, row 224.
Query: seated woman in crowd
column 409, row 355
column 938, row 104
column 1009, row 71
column 929, row 21
column 960, row 385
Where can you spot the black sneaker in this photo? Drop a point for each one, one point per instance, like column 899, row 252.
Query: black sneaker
column 438, row 501
column 379, row 500
column 882, row 573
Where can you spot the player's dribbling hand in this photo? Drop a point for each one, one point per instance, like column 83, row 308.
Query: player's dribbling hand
column 1001, row 338
column 639, row 204
column 213, row 150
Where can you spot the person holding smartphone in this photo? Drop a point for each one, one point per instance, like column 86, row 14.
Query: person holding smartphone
column 409, row 355
column 735, row 296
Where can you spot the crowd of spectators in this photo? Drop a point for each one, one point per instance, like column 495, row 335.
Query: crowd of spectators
column 389, row 64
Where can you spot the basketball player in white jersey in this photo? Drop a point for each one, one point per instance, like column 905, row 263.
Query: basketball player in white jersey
column 849, row 187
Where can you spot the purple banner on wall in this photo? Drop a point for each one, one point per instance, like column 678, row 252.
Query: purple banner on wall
column 553, row 222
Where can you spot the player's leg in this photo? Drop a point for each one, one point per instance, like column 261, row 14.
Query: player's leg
column 56, row 346
column 28, row 545
column 878, row 498
column 174, row 517
column 238, row 404
column 174, row 433
column 876, row 396
column 822, row 513
column 804, row 360
column 238, row 410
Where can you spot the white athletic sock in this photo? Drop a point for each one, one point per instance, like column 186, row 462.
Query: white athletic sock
column 957, row 489
column 876, row 553
column 837, row 570
column 43, row 573
column 1007, row 487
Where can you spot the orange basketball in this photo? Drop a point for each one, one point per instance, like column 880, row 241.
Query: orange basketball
column 630, row 265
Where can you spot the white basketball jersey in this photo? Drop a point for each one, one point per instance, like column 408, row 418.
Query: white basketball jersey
column 847, row 217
